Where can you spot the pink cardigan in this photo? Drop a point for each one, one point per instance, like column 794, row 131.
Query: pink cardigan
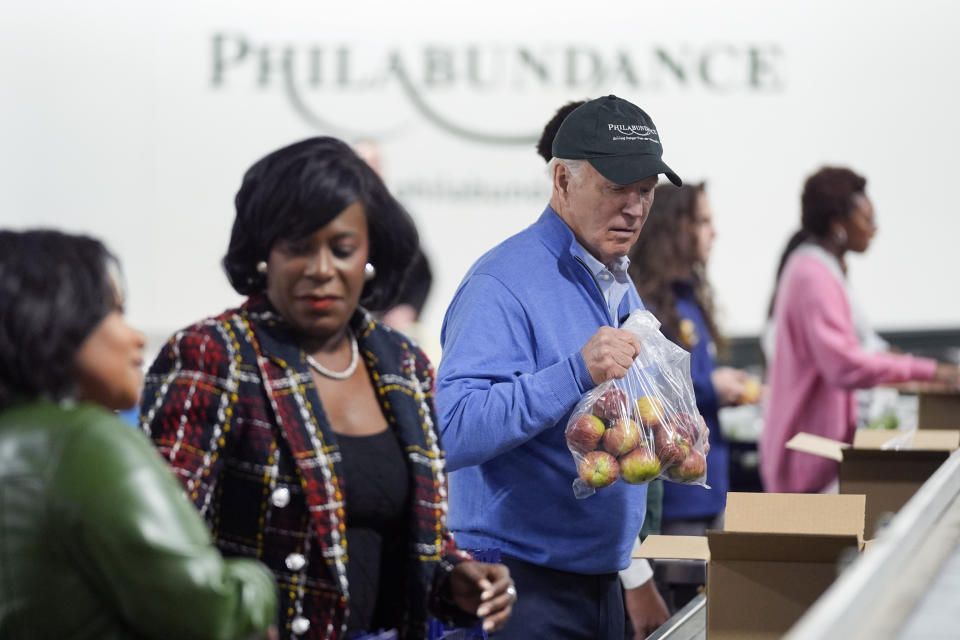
column 817, row 364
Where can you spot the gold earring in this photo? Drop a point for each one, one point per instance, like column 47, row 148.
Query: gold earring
column 262, row 266
column 369, row 272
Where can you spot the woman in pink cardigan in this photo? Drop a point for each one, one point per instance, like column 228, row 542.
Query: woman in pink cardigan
column 818, row 343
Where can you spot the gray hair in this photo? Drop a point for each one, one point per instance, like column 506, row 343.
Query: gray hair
column 575, row 167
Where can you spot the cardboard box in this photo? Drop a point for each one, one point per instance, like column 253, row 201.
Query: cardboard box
column 938, row 406
column 886, row 466
column 938, row 409
column 776, row 555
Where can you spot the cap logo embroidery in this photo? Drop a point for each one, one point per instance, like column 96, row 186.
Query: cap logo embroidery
column 633, row 132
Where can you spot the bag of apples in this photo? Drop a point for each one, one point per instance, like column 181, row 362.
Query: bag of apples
column 643, row 426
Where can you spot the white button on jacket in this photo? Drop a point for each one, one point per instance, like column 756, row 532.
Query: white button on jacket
column 295, row 561
column 280, row 497
column 299, row 625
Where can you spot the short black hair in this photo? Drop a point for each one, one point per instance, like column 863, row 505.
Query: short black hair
column 295, row 190
column 828, row 195
column 55, row 288
column 545, row 143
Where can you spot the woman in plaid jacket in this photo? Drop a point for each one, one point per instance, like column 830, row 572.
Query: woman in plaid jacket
column 302, row 429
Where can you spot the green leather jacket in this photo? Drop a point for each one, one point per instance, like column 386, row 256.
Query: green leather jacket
column 97, row 540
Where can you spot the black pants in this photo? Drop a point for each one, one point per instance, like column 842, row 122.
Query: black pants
column 558, row 605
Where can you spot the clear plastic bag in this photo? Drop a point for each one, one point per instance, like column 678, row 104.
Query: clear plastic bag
column 643, row 426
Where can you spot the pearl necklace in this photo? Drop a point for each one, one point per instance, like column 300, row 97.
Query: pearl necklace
column 338, row 375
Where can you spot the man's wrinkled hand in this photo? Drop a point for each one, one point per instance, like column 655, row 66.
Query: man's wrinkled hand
column 609, row 353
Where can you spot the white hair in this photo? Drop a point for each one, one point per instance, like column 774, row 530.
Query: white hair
column 574, row 167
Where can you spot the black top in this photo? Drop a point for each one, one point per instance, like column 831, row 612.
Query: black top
column 376, row 488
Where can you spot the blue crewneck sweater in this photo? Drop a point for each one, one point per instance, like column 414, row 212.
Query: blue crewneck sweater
column 510, row 376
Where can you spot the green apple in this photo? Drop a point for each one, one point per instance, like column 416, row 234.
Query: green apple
column 598, row 469
column 648, row 410
column 622, row 437
column 639, row 466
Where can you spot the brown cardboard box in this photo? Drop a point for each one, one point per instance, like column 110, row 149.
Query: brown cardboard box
column 776, row 555
column 938, row 406
column 938, row 409
column 886, row 466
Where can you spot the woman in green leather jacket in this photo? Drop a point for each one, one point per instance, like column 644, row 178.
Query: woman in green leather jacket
column 98, row 541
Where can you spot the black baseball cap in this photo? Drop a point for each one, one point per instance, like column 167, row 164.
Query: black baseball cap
column 617, row 137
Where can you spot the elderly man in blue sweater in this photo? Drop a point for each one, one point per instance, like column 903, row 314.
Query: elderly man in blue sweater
column 532, row 327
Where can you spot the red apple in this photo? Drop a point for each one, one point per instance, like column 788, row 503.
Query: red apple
column 611, row 405
column 598, row 469
column 639, row 466
column 688, row 427
column 670, row 446
column 585, row 433
column 622, row 437
column 693, row 467
column 648, row 410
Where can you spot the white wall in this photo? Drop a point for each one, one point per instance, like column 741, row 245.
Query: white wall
column 115, row 121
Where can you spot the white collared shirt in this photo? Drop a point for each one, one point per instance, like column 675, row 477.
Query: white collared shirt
column 613, row 278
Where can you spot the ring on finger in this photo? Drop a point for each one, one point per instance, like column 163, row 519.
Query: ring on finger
column 512, row 591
